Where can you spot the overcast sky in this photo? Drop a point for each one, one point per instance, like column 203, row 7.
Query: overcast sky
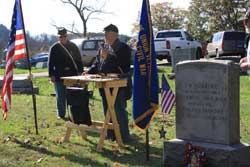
column 39, row 15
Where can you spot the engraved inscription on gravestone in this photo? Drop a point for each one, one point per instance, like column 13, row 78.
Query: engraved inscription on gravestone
column 204, row 100
column 207, row 101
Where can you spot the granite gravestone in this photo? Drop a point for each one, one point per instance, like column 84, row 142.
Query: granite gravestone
column 207, row 98
column 179, row 55
column 207, row 114
column 21, row 85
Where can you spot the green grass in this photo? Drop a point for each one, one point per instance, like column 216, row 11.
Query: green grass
column 244, row 108
column 24, row 71
column 20, row 146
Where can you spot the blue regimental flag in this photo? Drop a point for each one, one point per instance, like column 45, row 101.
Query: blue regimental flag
column 145, row 89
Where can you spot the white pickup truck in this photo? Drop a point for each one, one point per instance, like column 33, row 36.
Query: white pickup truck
column 167, row 40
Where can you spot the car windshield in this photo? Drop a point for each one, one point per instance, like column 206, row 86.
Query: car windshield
column 169, row 35
column 37, row 56
column 217, row 37
column 89, row 45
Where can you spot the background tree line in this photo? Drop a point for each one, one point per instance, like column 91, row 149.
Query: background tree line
column 203, row 17
column 39, row 43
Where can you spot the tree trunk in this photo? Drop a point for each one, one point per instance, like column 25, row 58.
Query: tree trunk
column 84, row 29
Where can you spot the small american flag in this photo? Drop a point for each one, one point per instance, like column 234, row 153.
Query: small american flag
column 167, row 96
column 15, row 51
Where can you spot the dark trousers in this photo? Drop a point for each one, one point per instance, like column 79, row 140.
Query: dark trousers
column 60, row 90
column 121, row 114
column 78, row 100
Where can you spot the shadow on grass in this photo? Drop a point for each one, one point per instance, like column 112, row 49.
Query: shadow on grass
column 70, row 157
column 95, row 98
column 135, row 155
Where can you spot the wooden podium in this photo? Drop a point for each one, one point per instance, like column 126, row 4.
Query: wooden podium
column 111, row 81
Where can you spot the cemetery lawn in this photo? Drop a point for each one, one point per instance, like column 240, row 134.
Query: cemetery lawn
column 20, row 146
column 25, row 71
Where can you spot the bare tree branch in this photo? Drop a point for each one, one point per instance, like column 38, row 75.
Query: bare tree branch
column 71, row 30
column 86, row 11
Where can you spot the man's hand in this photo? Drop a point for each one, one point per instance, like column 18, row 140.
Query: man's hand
column 52, row 79
column 244, row 64
column 104, row 53
column 84, row 72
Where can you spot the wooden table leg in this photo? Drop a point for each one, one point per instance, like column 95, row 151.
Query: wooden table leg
column 83, row 133
column 104, row 131
column 110, row 97
column 67, row 135
column 110, row 115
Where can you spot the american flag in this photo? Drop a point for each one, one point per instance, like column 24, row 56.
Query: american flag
column 16, row 50
column 167, row 96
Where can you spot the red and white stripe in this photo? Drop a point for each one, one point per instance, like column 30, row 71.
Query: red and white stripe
column 19, row 45
column 167, row 101
column 16, row 50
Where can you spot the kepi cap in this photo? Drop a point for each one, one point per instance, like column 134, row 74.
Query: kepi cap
column 61, row 31
column 111, row 28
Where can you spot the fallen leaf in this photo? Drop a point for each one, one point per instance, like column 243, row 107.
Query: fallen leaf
column 6, row 139
column 115, row 148
column 26, row 141
column 63, row 158
column 57, row 140
column 116, row 164
column 39, row 160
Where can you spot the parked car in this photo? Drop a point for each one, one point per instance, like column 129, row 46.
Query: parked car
column 3, row 59
column 40, row 57
column 168, row 40
column 21, row 63
column 227, row 43
column 88, row 49
column 34, row 60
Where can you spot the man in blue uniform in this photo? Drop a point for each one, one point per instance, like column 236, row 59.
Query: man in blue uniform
column 115, row 58
column 64, row 60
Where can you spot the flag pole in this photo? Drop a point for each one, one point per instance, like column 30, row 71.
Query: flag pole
column 29, row 67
